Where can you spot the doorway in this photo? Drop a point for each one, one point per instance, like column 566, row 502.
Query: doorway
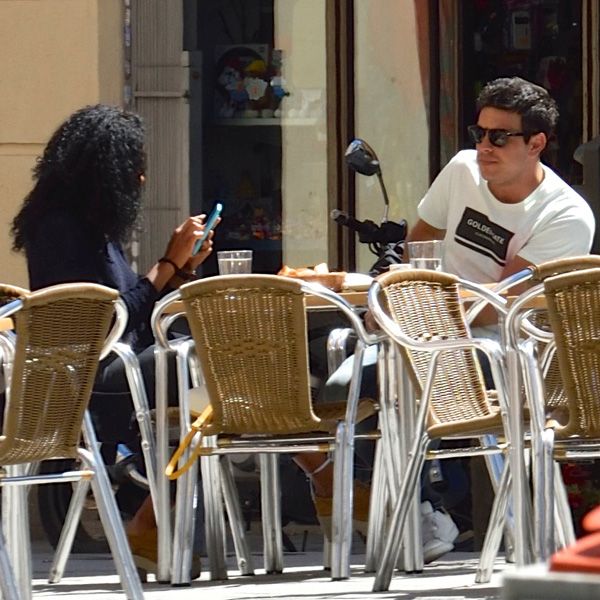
column 235, row 129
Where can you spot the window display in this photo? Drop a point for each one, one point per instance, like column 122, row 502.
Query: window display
column 257, row 126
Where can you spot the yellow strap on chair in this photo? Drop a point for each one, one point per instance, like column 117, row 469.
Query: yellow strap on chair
column 171, row 471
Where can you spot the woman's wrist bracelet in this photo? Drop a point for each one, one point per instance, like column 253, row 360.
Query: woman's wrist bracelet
column 185, row 275
column 164, row 259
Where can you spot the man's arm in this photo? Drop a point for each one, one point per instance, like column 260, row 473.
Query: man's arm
column 489, row 315
column 514, row 266
column 423, row 231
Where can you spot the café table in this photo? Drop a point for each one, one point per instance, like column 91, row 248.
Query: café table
column 395, row 392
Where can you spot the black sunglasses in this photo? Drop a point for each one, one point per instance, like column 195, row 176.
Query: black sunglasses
column 497, row 137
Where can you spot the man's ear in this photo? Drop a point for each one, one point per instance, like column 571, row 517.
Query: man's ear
column 537, row 143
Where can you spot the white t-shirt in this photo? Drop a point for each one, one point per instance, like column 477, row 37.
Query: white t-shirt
column 484, row 234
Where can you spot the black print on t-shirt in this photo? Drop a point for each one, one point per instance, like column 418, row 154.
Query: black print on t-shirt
column 477, row 232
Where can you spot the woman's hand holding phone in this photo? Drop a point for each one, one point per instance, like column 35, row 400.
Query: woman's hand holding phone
column 178, row 253
column 180, row 249
column 211, row 223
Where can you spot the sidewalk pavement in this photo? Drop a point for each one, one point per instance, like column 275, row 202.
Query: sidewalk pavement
column 449, row 578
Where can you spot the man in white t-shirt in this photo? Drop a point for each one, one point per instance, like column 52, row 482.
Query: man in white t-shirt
column 498, row 208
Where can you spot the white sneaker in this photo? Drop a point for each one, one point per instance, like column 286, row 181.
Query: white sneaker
column 439, row 532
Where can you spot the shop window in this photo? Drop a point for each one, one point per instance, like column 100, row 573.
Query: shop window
column 258, row 128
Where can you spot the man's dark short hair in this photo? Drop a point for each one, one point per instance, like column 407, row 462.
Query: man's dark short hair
column 537, row 108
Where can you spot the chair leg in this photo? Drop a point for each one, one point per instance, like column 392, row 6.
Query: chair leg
column 392, row 547
column 563, row 519
column 214, row 522
column 378, row 499
column 395, row 436
column 341, row 522
column 163, row 497
column 109, row 514
column 271, row 512
column 544, row 500
column 8, row 581
column 15, row 523
column 67, row 535
column 326, row 554
column 496, row 464
column 388, row 447
column 375, row 532
column 183, row 529
column 182, row 551
column 142, row 413
column 236, row 519
column 520, row 498
column 343, row 476
column 493, row 534
column 410, row 559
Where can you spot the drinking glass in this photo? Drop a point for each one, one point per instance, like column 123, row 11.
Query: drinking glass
column 234, row 261
column 426, row 255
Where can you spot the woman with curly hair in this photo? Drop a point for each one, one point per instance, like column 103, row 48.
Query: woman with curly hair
column 84, row 205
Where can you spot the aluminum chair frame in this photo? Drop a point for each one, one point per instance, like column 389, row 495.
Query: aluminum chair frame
column 558, row 520
column 8, row 581
column 524, row 531
column 20, row 475
column 342, row 443
column 338, row 342
column 420, row 439
column 552, row 443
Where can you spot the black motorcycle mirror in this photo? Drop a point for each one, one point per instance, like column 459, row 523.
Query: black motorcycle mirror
column 360, row 157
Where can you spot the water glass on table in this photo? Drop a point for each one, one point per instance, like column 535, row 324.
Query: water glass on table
column 234, row 261
column 426, row 255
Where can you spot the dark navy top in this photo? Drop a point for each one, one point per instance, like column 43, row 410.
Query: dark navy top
column 63, row 250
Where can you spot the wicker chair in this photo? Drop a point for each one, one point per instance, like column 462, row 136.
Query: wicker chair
column 533, row 327
column 568, row 427
column 251, row 343
column 61, row 333
column 422, row 313
column 11, row 292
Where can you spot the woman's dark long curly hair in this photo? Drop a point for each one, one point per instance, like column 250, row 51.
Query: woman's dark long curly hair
column 91, row 168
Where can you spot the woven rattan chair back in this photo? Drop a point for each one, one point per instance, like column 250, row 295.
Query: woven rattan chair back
column 563, row 265
column 573, row 300
column 60, row 334
column 251, row 338
column 427, row 307
column 555, row 399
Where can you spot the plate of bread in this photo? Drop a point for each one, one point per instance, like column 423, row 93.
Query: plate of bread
column 334, row 280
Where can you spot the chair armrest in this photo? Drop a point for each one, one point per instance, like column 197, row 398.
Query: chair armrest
column 499, row 288
column 117, row 329
column 338, row 349
column 162, row 319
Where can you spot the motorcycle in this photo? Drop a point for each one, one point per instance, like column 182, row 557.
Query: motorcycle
column 385, row 240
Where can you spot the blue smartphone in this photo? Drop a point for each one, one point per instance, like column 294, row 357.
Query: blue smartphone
column 208, row 226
